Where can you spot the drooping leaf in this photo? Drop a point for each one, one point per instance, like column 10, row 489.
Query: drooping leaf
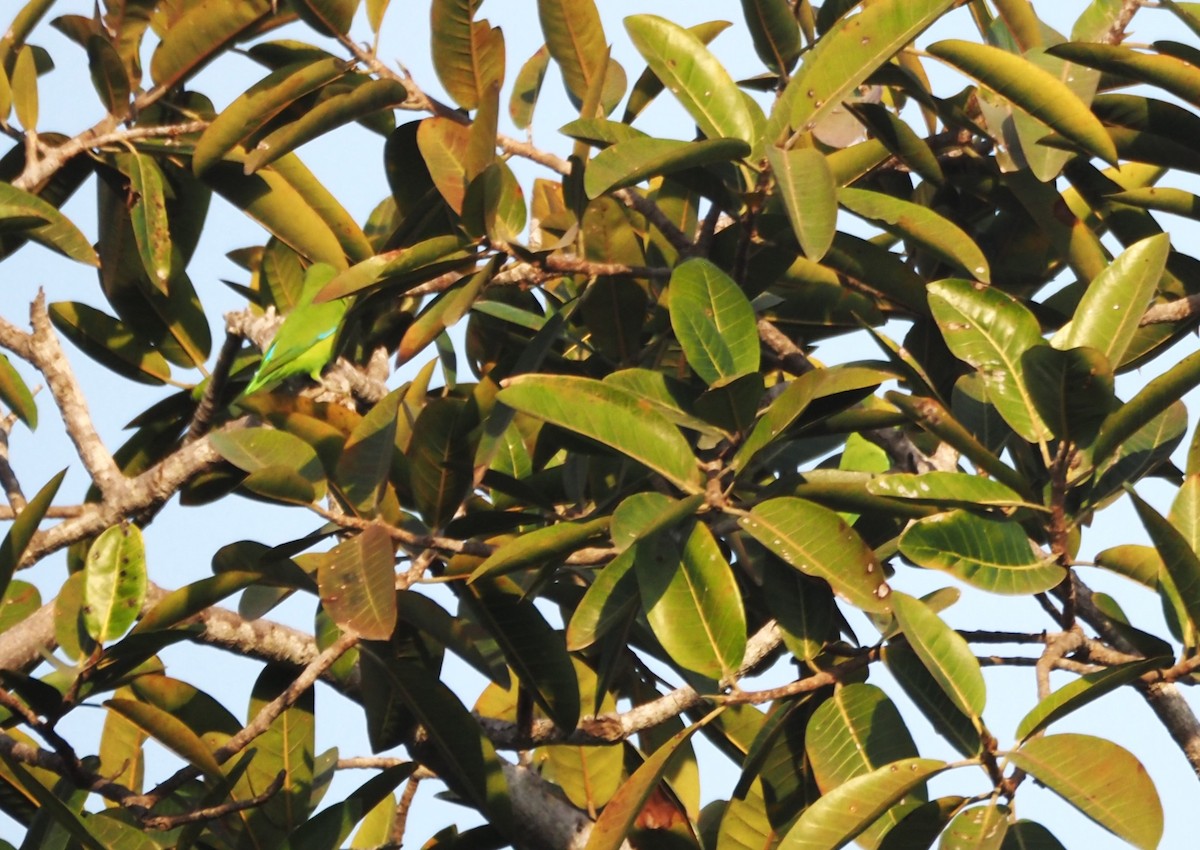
column 1033, row 89
column 526, row 88
column 609, row 415
column 775, row 31
column 109, row 341
column 58, row 233
column 576, row 41
column 1108, row 314
column 993, row 554
column 691, row 73
column 329, row 829
column 693, row 605
column 713, row 321
column 203, row 31
column 844, row 812
column 816, row 541
column 1099, row 778
column 810, row 196
column 991, row 331
column 115, row 583
column 109, row 76
column 23, row 528
column 844, row 57
column 920, row 224
column 1076, row 694
column 945, row 654
column 649, row 86
column 1180, row 560
column 1073, row 390
column 613, row 825
column 633, row 160
column 358, row 584
column 170, row 731
column 439, row 456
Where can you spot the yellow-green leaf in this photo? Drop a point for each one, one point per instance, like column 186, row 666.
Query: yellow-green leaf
column 810, row 196
column 357, row 579
column 115, row 582
column 945, row 654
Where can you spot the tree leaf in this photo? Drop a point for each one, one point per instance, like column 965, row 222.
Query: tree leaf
column 259, row 104
column 693, row 605
column 1100, row 779
column 955, row 489
column 920, row 827
column 552, row 543
column 699, row 81
column 991, row 331
column 400, row 267
column 24, row 526
column 617, row 819
column 609, row 415
column 57, row 233
column 1108, row 314
column 329, row 829
column 608, row 601
column 115, row 583
column 109, row 76
column 1170, row 73
column 1076, row 694
column 256, row 450
column 1033, row 89
column 843, row 813
column 944, row 653
column 810, row 195
column 526, row 88
column 714, row 322
column 24, row 79
column 993, row 554
column 170, row 731
column 439, row 456
column 576, row 41
column 332, row 112
column 1073, row 390
column 853, row 733
column 1028, row 835
column 366, row 458
column 203, row 31
column 109, row 341
column 51, row 803
column 629, row 162
column 649, row 86
column 357, row 579
column 149, row 217
column 1180, row 560
column 977, row 828
column 816, row 541
column 844, row 57
column 468, row 55
column 775, row 32
column 920, row 224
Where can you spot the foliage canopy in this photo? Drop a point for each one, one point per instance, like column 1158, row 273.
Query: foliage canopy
column 619, row 458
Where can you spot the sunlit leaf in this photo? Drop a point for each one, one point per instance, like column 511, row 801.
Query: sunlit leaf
column 358, row 584
column 714, row 322
column 634, row 160
column 945, row 654
column 115, row 583
column 809, row 193
column 1076, row 694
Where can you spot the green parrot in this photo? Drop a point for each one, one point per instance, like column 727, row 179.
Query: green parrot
column 304, row 342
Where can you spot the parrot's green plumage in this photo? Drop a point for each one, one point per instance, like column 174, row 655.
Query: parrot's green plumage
column 304, row 342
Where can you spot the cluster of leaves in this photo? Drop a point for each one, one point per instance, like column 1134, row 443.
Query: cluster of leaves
column 644, row 452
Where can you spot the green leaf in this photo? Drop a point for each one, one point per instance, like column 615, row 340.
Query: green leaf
column 920, row 827
column 468, row 55
column 526, row 88
column 609, row 415
column 259, row 450
column 259, row 104
column 532, row 648
column 775, row 32
column 849, row 52
column 552, row 543
column 611, row 598
column 845, row 812
column 439, row 456
column 921, row 225
column 109, row 341
column 803, row 608
column 170, row 731
column 332, row 112
column 1028, row 835
column 816, row 541
column 993, row 554
column 921, row 687
column 149, row 217
column 24, row 527
column 977, row 828
column 1033, row 89
column 944, row 653
column 617, row 819
column 630, row 162
column 24, row 80
column 357, row 579
column 1180, row 560
column 193, row 598
column 697, row 79
column 1085, row 689
column 1073, row 390
column 1151, row 402
column 202, row 32
column 1171, row 73
column 991, row 331
column 366, row 458
column 856, row 731
column 1099, row 778
column 409, row 265
column 692, row 602
column 714, row 322
column 328, row 17
column 58, row 233
column 1108, row 314
column 52, row 803
column 329, row 828
column 115, row 583
column 955, row 489
column 649, row 86
column 809, row 192
column 576, row 41
column 109, row 76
